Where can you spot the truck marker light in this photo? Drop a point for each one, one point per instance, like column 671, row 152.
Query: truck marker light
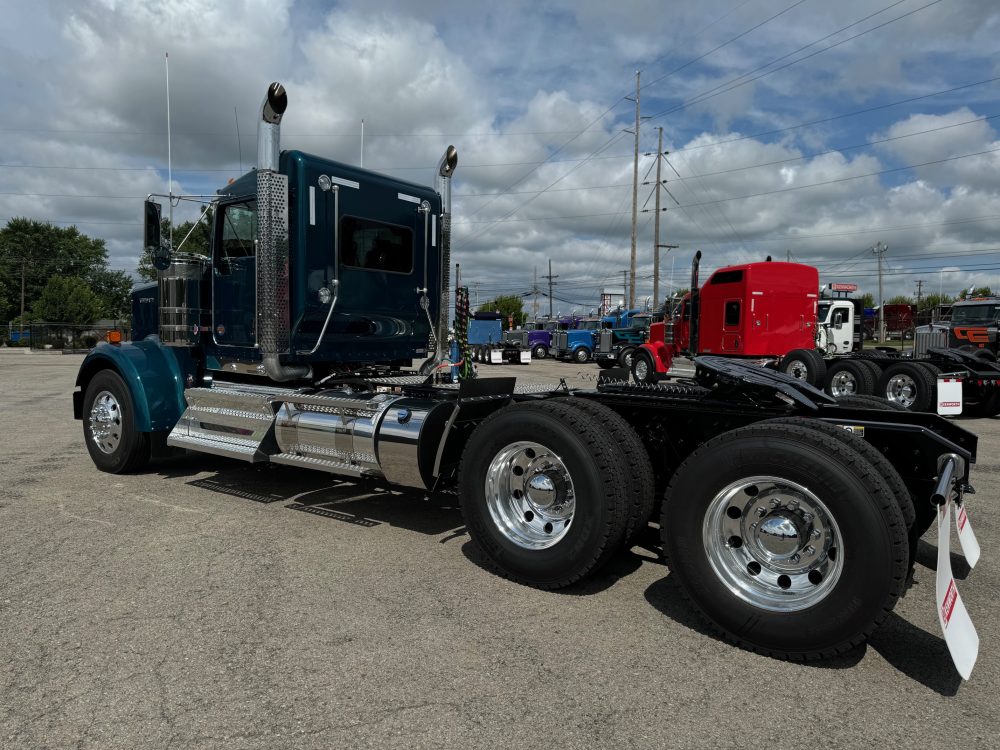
column 113, row 337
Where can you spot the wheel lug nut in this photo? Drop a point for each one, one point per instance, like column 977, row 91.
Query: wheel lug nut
column 775, row 502
column 807, row 517
column 795, row 558
column 810, row 550
column 815, row 534
column 793, row 504
column 761, row 511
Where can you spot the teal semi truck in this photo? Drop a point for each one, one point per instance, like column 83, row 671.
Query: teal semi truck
column 315, row 336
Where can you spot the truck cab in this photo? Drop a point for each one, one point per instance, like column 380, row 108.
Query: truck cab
column 839, row 326
column 577, row 343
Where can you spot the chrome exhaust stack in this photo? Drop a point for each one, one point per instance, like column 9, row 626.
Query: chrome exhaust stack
column 272, row 242
column 446, row 168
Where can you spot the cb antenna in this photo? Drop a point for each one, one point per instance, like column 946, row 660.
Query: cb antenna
column 239, row 144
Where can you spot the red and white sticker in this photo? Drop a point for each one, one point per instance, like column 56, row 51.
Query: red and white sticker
column 966, row 536
column 959, row 632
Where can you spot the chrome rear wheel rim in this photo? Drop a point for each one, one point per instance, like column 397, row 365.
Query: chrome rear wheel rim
column 902, row 389
column 530, row 495
column 773, row 543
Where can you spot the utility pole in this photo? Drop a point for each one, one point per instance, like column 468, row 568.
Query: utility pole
column 24, row 270
column 625, row 286
column 476, row 284
column 880, row 250
column 920, row 291
column 656, row 224
column 635, row 195
column 550, row 277
column 534, row 292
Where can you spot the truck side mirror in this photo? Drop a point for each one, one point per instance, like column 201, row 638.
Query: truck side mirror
column 838, row 319
column 151, row 235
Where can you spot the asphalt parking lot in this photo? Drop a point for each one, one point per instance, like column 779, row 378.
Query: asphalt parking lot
column 207, row 603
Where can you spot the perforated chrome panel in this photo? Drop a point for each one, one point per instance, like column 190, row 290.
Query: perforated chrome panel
column 272, row 261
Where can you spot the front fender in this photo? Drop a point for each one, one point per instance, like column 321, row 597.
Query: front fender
column 661, row 355
column 154, row 374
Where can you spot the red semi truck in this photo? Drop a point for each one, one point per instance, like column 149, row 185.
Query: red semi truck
column 753, row 311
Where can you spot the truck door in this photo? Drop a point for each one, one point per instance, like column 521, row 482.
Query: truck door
column 732, row 320
column 234, row 280
column 842, row 326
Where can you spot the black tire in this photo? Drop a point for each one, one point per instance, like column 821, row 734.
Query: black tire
column 909, row 384
column 639, row 479
column 803, row 364
column 847, row 377
column 864, row 511
column 643, row 369
column 539, row 352
column 121, row 448
column 606, row 364
column 625, row 358
column 870, row 402
column 821, row 367
column 875, row 370
column 593, row 463
column 581, row 355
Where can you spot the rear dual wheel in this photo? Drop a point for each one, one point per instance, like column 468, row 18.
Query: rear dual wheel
column 849, row 378
column 786, row 539
column 912, row 385
column 542, row 492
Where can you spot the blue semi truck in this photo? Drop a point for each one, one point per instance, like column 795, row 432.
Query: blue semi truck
column 294, row 343
column 490, row 346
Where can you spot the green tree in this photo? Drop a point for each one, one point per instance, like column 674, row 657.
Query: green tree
column 67, row 300
column 509, row 306
column 934, row 300
column 868, row 299
column 899, row 299
column 198, row 242
column 38, row 251
column 979, row 291
column 114, row 292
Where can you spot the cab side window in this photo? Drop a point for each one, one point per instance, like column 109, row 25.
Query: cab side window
column 375, row 246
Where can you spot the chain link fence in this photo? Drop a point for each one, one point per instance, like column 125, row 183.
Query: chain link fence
column 65, row 337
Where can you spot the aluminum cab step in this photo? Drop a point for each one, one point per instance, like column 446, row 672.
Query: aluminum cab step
column 231, row 421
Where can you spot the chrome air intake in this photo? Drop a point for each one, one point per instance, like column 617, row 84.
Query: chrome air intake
column 272, row 241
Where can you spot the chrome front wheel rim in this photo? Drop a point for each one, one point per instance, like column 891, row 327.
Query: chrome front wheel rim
column 530, row 495
column 641, row 370
column 106, row 422
column 773, row 543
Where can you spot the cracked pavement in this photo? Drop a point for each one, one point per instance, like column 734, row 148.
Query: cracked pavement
column 207, row 603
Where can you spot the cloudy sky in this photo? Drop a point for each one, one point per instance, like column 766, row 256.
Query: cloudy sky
column 796, row 128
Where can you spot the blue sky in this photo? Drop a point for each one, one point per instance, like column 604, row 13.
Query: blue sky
column 761, row 98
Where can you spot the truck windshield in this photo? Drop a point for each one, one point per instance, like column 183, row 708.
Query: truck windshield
column 975, row 313
column 821, row 310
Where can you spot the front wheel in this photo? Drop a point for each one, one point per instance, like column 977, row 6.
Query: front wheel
column 114, row 444
column 787, row 540
column 625, row 358
column 643, row 369
column 539, row 352
column 581, row 355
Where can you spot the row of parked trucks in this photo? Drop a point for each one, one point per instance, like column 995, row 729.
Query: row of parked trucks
column 789, row 519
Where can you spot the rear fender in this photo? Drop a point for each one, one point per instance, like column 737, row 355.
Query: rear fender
column 153, row 373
